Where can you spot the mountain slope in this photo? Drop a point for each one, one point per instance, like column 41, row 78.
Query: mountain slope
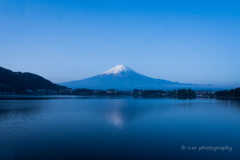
column 123, row 78
column 18, row 81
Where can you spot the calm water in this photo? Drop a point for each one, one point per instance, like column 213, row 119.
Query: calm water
column 119, row 128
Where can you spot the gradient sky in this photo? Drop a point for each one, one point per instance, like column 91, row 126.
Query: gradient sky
column 183, row 40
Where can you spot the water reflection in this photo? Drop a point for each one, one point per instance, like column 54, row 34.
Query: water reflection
column 113, row 113
column 16, row 114
column 120, row 112
column 117, row 128
column 115, row 118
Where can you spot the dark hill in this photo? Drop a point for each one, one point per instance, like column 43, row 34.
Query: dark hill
column 18, row 81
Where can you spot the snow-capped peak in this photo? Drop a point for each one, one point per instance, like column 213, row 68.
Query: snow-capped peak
column 118, row 69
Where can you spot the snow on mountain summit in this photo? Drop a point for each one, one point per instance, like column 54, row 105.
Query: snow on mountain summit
column 118, row 70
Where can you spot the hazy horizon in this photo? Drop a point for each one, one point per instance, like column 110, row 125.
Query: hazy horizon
column 187, row 42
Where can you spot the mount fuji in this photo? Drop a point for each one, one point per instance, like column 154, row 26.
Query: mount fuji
column 122, row 77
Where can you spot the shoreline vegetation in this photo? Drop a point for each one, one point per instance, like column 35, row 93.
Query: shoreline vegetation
column 183, row 93
column 179, row 93
column 229, row 94
column 84, row 91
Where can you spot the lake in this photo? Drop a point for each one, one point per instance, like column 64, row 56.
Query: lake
column 75, row 127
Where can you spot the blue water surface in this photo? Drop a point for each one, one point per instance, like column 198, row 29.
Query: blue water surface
column 73, row 127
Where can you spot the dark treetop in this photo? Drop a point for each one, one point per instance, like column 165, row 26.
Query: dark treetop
column 229, row 93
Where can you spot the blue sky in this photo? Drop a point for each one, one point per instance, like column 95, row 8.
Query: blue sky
column 184, row 41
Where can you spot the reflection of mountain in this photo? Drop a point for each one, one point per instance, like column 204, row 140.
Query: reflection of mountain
column 116, row 118
column 123, row 78
column 120, row 112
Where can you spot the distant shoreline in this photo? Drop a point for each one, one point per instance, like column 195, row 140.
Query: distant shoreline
column 71, row 96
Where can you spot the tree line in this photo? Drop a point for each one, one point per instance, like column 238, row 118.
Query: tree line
column 228, row 93
column 186, row 93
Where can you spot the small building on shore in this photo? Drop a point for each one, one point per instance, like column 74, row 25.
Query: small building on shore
column 111, row 91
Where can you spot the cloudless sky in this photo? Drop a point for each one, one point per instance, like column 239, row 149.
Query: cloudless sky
column 187, row 41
